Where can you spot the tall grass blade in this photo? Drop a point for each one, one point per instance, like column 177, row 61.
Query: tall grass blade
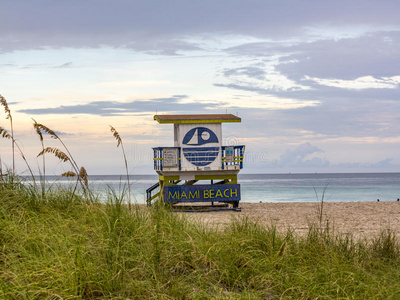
column 43, row 173
column 119, row 142
column 3, row 102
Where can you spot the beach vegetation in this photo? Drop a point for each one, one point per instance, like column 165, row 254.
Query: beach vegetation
column 118, row 138
column 320, row 207
column 65, row 247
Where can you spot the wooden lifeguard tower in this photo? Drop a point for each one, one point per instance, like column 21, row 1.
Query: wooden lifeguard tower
column 198, row 156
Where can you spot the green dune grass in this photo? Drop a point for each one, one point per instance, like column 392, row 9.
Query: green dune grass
column 62, row 246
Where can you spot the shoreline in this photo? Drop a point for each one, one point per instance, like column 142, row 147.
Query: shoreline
column 362, row 219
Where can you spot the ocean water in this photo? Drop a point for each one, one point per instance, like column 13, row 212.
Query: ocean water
column 304, row 187
column 343, row 187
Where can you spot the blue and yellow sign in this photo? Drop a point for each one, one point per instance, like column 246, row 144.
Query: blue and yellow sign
column 201, row 193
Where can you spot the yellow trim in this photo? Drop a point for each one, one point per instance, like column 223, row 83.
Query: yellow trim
column 209, row 177
column 169, row 183
column 196, row 121
column 165, row 178
column 158, row 158
column 155, row 196
column 224, row 157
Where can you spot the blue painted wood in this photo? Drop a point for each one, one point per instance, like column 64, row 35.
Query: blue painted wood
column 200, row 156
column 201, row 193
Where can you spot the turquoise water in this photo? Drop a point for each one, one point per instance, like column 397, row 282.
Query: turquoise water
column 342, row 187
column 338, row 187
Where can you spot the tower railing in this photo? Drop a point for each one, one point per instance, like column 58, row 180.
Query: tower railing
column 232, row 156
column 171, row 157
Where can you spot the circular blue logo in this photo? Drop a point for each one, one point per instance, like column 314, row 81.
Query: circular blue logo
column 200, row 156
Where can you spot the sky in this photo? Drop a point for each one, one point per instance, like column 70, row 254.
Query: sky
column 316, row 83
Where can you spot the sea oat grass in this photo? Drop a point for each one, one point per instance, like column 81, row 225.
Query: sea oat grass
column 69, row 248
column 118, row 138
column 3, row 102
column 36, row 126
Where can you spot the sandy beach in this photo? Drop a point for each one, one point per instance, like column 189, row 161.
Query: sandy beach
column 363, row 219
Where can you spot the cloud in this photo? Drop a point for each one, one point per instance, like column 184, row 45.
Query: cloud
column 251, row 72
column 366, row 82
column 306, row 156
column 386, row 163
column 66, row 65
column 163, row 47
column 298, row 157
column 42, row 66
column 132, row 83
column 341, row 118
column 320, row 68
column 363, row 62
column 373, row 54
column 115, row 108
column 352, row 83
column 6, row 65
column 163, row 27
